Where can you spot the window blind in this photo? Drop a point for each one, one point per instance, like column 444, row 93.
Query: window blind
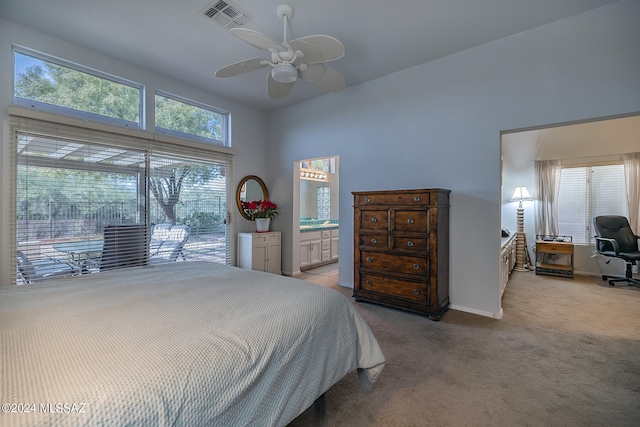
column 587, row 192
column 84, row 202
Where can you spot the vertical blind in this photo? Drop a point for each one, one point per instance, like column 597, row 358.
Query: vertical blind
column 89, row 200
column 586, row 192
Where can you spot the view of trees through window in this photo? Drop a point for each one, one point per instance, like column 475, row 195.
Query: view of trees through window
column 56, row 85
column 189, row 119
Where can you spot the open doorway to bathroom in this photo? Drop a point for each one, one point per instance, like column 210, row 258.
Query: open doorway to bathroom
column 318, row 202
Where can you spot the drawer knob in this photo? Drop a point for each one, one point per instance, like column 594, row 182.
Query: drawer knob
column 416, row 266
column 410, row 243
column 410, row 220
column 369, row 259
column 416, row 291
column 368, row 282
column 416, row 199
column 374, row 240
column 367, row 200
column 374, row 219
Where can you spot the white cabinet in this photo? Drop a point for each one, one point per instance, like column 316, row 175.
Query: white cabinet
column 508, row 260
column 318, row 247
column 334, row 245
column 310, row 252
column 260, row 251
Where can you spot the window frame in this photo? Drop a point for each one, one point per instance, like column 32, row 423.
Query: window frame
column 72, row 112
column 225, row 142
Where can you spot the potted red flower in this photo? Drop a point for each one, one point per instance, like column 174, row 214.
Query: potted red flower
column 262, row 211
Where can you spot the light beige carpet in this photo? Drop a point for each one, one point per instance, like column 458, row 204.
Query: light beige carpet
column 566, row 353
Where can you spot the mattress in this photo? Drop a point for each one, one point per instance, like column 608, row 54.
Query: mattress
column 192, row 343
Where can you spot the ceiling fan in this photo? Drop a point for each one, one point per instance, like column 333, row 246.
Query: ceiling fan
column 302, row 58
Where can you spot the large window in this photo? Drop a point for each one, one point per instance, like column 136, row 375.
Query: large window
column 188, row 119
column 57, row 86
column 586, row 192
column 78, row 189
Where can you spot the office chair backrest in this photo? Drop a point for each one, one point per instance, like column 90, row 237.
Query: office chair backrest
column 616, row 227
column 124, row 246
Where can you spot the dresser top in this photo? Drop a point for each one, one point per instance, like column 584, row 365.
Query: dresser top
column 417, row 190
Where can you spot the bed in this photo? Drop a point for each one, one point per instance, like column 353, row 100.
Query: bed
column 192, row 343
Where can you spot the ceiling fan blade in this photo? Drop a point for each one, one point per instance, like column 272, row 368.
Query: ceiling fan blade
column 319, row 48
column 241, row 67
column 276, row 89
column 324, row 77
column 257, row 39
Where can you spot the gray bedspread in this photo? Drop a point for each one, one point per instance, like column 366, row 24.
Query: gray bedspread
column 181, row 344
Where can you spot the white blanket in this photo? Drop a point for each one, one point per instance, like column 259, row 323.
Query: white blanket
column 180, row 344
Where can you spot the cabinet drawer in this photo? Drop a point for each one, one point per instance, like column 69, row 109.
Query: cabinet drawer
column 417, row 198
column 394, row 263
column 411, row 221
column 416, row 291
column 326, row 244
column 417, row 244
column 374, row 219
column 374, row 240
column 554, row 247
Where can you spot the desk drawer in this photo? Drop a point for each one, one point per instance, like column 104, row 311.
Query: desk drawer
column 554, row 247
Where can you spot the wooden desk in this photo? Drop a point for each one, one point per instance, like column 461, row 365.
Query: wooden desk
column 554, row 258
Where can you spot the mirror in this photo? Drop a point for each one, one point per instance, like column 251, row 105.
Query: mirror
column 250, row 188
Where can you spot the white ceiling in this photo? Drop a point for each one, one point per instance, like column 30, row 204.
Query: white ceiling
column 174, row 38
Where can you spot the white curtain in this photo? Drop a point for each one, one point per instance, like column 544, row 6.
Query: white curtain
column 547, row 176
column 632, row 178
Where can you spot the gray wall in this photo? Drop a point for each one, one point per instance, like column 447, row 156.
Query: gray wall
column 439, row 125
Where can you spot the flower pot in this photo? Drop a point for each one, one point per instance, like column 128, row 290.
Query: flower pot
column 262, row 225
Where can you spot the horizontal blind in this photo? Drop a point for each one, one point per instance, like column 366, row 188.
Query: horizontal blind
column 587, row 192
column 573, row 204
column 79, row 191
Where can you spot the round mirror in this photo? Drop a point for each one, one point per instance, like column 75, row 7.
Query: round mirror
column 250, row 188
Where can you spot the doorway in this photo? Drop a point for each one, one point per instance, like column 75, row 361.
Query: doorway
column 316, row 205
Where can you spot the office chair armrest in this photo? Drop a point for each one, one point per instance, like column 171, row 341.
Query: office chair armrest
column 603, row 240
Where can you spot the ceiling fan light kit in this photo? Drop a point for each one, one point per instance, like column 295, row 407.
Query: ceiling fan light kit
column 302, row 58
column 284, row 73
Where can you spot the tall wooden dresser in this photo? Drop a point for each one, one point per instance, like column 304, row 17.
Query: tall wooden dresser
column 401, row 249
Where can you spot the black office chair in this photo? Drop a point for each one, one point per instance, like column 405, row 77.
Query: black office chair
column 615, row 239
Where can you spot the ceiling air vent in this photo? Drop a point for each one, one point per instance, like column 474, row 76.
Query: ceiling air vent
column 224, row 14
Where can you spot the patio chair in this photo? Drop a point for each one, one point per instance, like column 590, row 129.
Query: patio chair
column 124, row 246
column 173, row 246
column 159, row 234
column 49, row 268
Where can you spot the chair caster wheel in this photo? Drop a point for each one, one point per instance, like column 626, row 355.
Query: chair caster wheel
column 611, row 283
column 604, row 277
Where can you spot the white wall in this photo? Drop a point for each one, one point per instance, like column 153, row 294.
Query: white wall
column 248, row 125
column 439, row 124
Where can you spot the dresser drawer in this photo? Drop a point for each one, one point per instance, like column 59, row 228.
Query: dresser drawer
column 375, row 240
column 417, row 198
column 411, row 221
column 374, row 219
column 394, row 263
column 417, row 244
column 416, row 291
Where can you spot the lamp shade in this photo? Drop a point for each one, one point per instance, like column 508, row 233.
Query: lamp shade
column 521, row 193
column 284, row 73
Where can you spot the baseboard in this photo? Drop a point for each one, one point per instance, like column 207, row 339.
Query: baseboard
column 478, row 312
column 346, row 285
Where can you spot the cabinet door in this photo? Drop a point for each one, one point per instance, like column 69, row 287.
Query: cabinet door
column 305, row 254
column 259, row 257
column 273, row 258
column 334, row 248
column 314, row 251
